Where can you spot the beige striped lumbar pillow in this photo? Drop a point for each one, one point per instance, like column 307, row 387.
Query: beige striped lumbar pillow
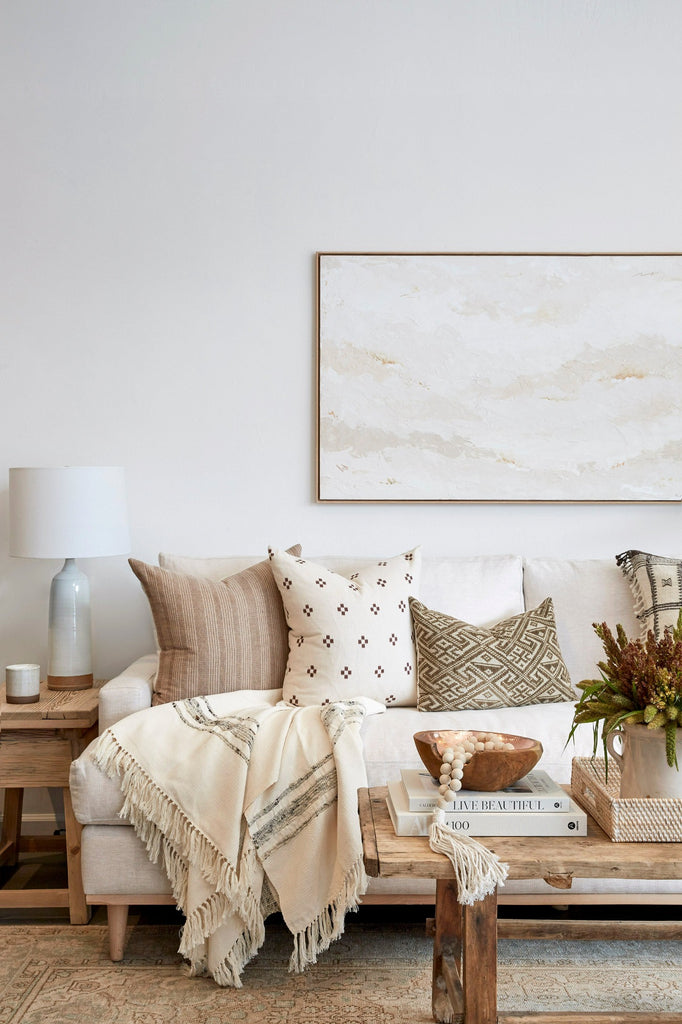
column 215, row 636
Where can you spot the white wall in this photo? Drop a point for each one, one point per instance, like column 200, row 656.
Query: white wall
column 170, row 168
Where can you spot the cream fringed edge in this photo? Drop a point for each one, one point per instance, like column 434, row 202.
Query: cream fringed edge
column 166, row 831
column 624, row 562
column 328, row 926
column 478, row 870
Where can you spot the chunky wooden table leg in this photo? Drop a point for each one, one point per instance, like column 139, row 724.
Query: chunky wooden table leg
column 79, row 911
column 446, row 999
column 11, row 826
column 479, row 961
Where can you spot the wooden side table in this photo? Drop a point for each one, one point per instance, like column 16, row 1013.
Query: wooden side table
column 38, row 742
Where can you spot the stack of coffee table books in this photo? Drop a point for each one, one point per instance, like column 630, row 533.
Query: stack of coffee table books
column 533, row 806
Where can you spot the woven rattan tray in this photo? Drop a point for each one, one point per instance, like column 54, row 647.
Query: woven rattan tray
column 624, row 820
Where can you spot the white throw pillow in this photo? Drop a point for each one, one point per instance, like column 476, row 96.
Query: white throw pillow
column 349, row 636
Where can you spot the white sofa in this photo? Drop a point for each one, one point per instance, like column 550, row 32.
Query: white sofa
column 482, row 590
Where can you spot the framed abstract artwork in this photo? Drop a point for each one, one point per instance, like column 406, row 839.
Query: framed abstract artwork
column 553, row 377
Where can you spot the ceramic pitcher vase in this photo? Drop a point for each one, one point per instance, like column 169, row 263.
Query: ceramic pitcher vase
column 644, row 769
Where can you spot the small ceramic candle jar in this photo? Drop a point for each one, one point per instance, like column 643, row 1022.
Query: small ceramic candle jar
column 22, row 683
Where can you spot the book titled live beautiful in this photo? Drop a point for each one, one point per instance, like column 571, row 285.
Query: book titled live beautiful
column 536, row 791
column 570, row 822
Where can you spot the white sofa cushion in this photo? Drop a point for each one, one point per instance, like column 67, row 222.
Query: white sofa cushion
column 583, row 592
column 212, row 568
column 389, row 745
column 481, row 589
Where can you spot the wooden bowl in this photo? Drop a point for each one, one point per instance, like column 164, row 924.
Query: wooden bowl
column 488, row 770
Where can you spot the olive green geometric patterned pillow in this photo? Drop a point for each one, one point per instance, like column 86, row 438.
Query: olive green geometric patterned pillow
column 515, row 662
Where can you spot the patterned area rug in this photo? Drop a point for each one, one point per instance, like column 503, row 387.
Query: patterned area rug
column 54, row 974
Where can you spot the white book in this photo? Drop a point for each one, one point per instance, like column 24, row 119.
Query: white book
column 536, row 791
column 572, row 822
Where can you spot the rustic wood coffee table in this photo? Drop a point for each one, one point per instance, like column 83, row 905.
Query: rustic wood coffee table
column 465, row 941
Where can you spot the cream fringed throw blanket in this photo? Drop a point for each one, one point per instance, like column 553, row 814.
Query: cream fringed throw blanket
column 251, row 809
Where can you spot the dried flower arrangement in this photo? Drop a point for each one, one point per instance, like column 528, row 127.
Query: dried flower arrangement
column 641, row 682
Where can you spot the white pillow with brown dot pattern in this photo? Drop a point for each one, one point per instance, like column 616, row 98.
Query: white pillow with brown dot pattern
column 349, row 636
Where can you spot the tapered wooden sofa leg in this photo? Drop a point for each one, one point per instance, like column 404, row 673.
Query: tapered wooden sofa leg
column 117, row 916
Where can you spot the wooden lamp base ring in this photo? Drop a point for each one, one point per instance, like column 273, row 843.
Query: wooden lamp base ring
column 70, row 682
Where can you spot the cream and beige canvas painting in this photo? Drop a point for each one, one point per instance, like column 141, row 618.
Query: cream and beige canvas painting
column 506, row 377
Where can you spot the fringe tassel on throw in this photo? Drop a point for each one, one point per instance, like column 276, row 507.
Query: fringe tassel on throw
column 166, row 832
column 328, row 926
column 228, row 972
column 625, row 562
column 477, row 870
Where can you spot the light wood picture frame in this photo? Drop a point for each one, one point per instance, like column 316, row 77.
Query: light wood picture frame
column 516, row 377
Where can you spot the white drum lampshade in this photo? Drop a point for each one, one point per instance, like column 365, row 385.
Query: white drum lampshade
column 68, row 512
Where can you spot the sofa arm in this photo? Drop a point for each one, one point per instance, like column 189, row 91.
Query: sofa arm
column 129, row 692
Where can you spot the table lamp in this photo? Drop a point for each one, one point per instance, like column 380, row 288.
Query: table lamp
column 68, row 512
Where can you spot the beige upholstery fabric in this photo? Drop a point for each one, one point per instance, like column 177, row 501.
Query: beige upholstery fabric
column 128, row 692
column 114, row 861
column 214, row 637
column 516, row 662
column 96, row 799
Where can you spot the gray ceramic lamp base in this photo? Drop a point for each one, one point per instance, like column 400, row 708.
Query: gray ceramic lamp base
column 69, row 660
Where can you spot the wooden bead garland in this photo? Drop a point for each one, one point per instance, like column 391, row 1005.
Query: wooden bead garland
column 455, row 757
